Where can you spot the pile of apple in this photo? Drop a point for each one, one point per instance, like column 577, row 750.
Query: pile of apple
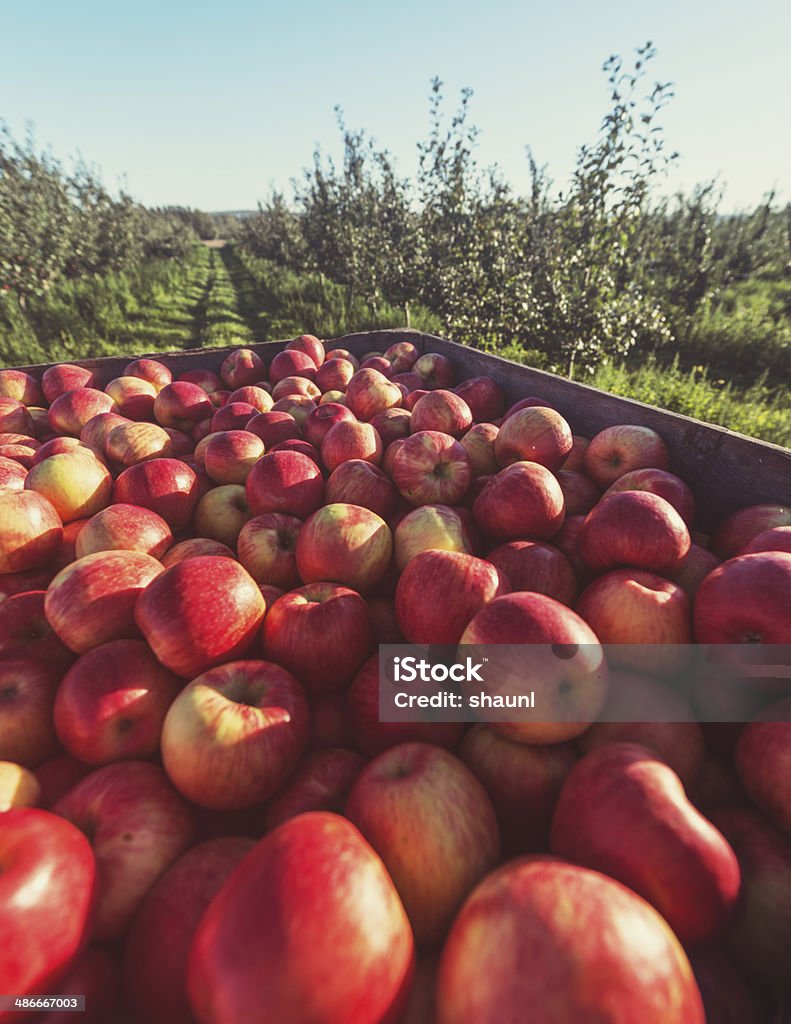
column 202, row 817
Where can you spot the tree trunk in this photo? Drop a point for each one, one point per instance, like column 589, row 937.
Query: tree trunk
column 406, row 315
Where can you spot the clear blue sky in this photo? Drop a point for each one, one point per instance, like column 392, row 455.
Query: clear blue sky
column 206, row 105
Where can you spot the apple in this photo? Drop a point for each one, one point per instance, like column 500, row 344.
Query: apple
column 484, row 397
column 182, row 405
column 20, row 582
column 309, row 344
column 166, row 486
column 575, row 460
column 286, row 482
column 112, row 702
column 408, row 382
column 675, row 858
column 130, row 443
column 133, row 397
column 538, row 567
column 30, row 531
column 232, row 416
column 580, row 493
column 376, row 362
column 255, row 395
column 208, row 380
column 195, row 547
column 746, row 600
column 321, row 632
column 93, row 600
column 762, row 757
column 430, row 526
column 392, row 424
column 297, row 405
column 96, row 976
column 620, row 449
column 776, row 539
column 431, row 468
column 230, row 456
column 47, row 887
column 566, row 668
column 152, row 370
column 291, row 363
column 534, row 434
column 347, row 440
column 127, row 528
column 266, row 548
column 241, row 368
column 402, row 355
column 313, row 883
column 321, row 782
column 424, row 792
column 295, row 386
column 738, row 529
column 321, row 419
column 598, row 952
column 435, row 370
column 12, row 476
column 159, row 940
column 645, row 618
column 522, row 781
column 199, row 613
column 642, row 710
column 59, row 446
column 296, row 444
column 441, row 411
column 523, row 500
column 21, row 386
column 388, row 458
column 478, row 442
column 19, row 787
column 27, row 694
column 694, row 568
column 633, row 528
column 98, row 429
column 335, row 374
column 659, row 481
column 25, row 632
column 369, row 392
column 357, row 482
column 69, row 413
column 344, row 544
column 62, row 377
column 57, row 775
column 201, row 429
column 137, row 825
column 76, row 483
column 14, row 417
column 343, row 353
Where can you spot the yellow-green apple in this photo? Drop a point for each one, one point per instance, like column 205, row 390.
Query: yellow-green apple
column 194, row 547
column 21, row 386
column 534, row 435
column 15, row 419
column 321, row 632
column 433, row 825
column 112, row 702
column 484, row 397
column 522, row 500
column 575, row 460
column 315, row 884
column 348, row 439
column 12, row 476
column 92, row 601
column 63, row 377
column 76, row 483
column 439, row 592
column 370, row 392
column 291, row 363
column 357, row 482
column 659, row 481
column 759, row 936
column 152, row 370
column 199, row 613
column 232, row 416
column 580, row 493
column 675, row 858
column 166, row 486
column 47, row 888
column 538, row 567
column 221, row 514
column 642, row 710
column 522, row 781
column 267, row 549
column 321, row 419
column 158, row 944
column 69, row 413
column 124, row 528
column 295, row 386
column 19, row 787
column 441, row 411
column 344, row 544
column 321, row 782
column 26, row 633
column 620, row 449
column 402, row 355
column 287, row 482
column 335, row 374
column 242, row 368
column 645, row 618
column 255, row 395
column 431, row 468
column 392, row 424
column 738, row 529
column 230, row 455
column 137, row 825
column 31, row 531
column 746, row 600
column 27, row 695
column 371, row 736
column 182, row 405
column 435, row 370
column 309, row 344
column 598, row 952
column 763, row 757
column 427, row 527
column 133, row 397
column 234, row 735
column 130, row 443
column 636, row 529
column 694, row 568
column 98, row 429
column 478, row 442
column 565, row 668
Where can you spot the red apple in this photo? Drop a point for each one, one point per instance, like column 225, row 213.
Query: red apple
column 295, row 386
column 776, row 539
column 617, row 450
column 347, row 440
column 58, row 446
column 133, row 397
column 25, row 632
column 534, row 435
column 112, row 702
column 431, row 468
column 195, row 547
column 266, row 548
column 21, row 386
column 575, row 460
column 694, row 568
column 255, row 395
column 659, row 481
column 98, row 429
column 375, row 362
column 199, row 613
column 441, row 411
column 242, row 368
column 286, row 482
column 478, row 442
column 746, row 600
column 523, row 500
column 580, row 493
column 738, row 529
column 435, row 370
column 335, row 374
column 430, row 526
column 69, row 413
column 27, row 695
column 392, row 424
column 321, row 782
column 357, row 482
column 402, row 355
column 137, row 824
column 344, row 544
column 484, row 397
column 130, row 443
column 206, row 379
column 309, row 344
column 321, row 419
column 343, row 353
column 232, row 416
column 763, row 753
column 369, row 392
column 538, row 567
column 291, row 363
column 152, row 370
column 20, row 582
column 12, row 476
column 182, row 405
column 634, row 528
column 166, row 486
column 321, row 633
column 30, row 531
column 125, row 528
column 231, row 455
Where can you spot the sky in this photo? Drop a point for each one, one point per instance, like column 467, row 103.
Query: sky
column 209, row 106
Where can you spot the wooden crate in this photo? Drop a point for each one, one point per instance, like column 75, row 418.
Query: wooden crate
column 725, row 470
